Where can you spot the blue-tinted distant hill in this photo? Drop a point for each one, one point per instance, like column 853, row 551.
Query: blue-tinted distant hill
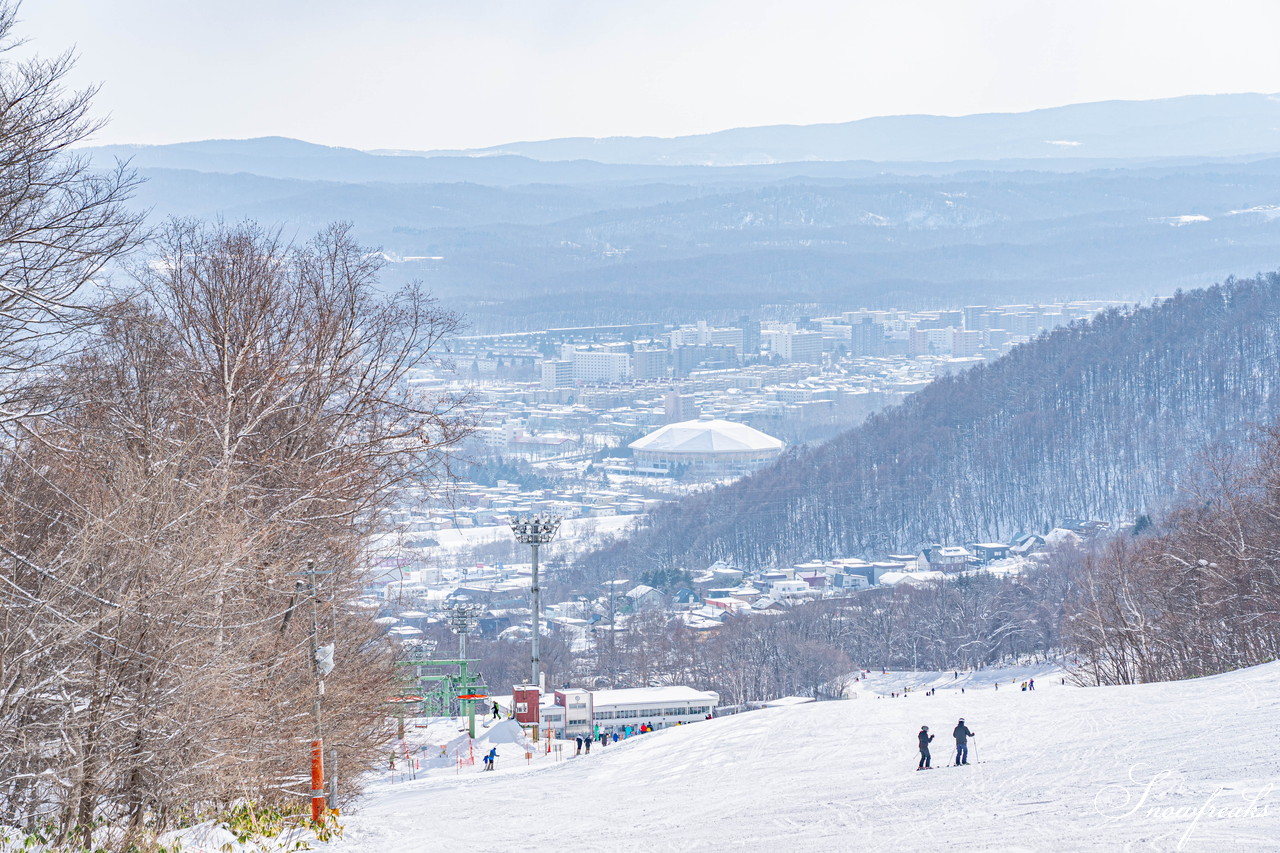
column 518, row 243
column 1195, row 125
column 293, row 159
column 540, row 255
column 279, row 157
column 1080, row 136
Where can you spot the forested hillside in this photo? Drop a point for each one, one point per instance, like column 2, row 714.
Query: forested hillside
column 1102, row 419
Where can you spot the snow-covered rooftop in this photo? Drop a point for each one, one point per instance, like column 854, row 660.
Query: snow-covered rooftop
column 893, row 578
column 649, row 695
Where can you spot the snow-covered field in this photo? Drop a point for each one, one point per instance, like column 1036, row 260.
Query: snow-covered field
column 1182, row 766
column 571, row 530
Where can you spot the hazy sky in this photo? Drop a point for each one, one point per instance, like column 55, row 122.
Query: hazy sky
column 424, row 74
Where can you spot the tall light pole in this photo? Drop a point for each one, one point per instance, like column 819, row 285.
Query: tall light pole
column 463, row 616
column 535, row 530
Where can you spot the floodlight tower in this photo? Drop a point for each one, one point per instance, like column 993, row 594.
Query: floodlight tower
column 535, row 530
column 463, row 616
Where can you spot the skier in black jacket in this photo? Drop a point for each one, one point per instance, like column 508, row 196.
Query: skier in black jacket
column 962, row 735
column 925, row 758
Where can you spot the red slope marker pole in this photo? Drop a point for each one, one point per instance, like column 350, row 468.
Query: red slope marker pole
column 317, row 781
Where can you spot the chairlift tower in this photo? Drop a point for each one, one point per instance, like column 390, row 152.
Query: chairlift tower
column 464, row 615
column 460, row 687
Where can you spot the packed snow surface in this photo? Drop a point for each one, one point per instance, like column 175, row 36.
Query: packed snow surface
column 1188, row 766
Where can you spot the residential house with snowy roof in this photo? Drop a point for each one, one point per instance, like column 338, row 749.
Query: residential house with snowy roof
column 987, row 552
column 1026, row 545
column 940, row 558
column 685, row 597
column 644, row 597
column 815, row 579
column 769, row 604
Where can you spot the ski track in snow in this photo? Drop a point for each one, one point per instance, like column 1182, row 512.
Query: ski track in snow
column 1052, row 773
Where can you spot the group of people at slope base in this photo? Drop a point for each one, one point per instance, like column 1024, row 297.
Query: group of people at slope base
column 961, row 733
column 614, row 735
column 490, row 758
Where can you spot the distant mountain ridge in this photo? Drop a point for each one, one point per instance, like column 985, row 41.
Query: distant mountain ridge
column 282, row 158
column 519, row 243
column 1191, row 125
column 538, row 255
column 1080, row 136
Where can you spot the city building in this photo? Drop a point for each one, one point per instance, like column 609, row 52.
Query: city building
column 556, row 373
column 866, row 338
column 687, row 358
column 965, row 343
column 798, row 345
column 649, row 364
column 704, row 335
column 679, row 407
column 975, row 317
column 599, row 367
column 750, row 336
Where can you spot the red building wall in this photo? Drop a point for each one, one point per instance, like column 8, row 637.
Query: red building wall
column 528, row 699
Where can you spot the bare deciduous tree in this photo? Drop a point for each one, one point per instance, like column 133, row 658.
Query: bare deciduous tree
column 61, row 221
column 248, row 409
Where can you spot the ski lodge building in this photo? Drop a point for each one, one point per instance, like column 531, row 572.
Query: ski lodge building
column 576, row 711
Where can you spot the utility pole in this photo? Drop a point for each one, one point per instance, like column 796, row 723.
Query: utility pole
column 613, row 633
column 535, row 530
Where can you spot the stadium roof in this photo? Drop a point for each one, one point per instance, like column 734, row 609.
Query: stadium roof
column 707, row 435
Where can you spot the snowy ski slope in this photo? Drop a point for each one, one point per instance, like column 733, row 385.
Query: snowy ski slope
column 1182, row 766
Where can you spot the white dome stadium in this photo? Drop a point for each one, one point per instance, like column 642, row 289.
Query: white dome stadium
column 708, row 445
